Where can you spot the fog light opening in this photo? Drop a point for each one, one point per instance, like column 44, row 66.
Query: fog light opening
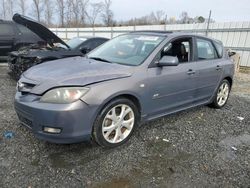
column 52, row 130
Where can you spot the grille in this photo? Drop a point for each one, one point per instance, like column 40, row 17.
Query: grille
column 25, row 121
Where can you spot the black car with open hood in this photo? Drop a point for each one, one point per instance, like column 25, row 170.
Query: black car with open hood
column 42, row 31
column 19, row 61
column 14, row 36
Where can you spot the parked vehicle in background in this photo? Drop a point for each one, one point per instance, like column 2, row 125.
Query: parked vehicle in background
column 26, row 57
column 130, row 79
column 20, row 61
column 13, row 36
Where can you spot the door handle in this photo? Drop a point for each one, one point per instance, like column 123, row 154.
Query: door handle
column 190, row 72
column 218, row 67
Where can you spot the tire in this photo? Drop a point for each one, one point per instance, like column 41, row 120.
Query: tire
column 110, row 121
column 220, row 99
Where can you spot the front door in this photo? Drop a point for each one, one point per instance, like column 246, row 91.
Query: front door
column 172, row 88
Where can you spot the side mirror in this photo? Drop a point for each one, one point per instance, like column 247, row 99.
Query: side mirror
column 230, row 53
column 85, row 50
column 168, row 61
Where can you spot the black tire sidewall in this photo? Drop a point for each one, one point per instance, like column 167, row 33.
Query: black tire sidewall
column 97, row 128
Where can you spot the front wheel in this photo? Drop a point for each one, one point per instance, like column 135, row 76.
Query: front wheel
column 116, row 123
column 222, row 95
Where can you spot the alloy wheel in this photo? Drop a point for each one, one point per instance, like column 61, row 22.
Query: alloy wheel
column 118, row 123
column 223, row 94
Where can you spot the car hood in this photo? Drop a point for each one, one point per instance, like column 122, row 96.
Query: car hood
column 42, row 31
column 74, row 71
column 59, row 53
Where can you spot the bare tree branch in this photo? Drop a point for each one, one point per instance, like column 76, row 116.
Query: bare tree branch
column 94, row 12
column 48, row 11
column 107, row 14
column 3, row 15
column 38, row 5
column 68, row 14
column 76, row 11
column 6, row 9
column 184, row 17
column 61, row 9
column 84, row 5
column 160, row 16
column 10, row 8
column 22, row 5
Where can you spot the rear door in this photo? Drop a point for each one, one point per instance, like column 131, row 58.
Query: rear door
column 7, row 36
column 209, row 69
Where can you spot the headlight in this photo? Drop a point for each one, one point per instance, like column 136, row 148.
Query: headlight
column 64, row 95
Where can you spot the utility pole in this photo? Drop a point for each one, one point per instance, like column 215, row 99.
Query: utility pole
column 208, row 22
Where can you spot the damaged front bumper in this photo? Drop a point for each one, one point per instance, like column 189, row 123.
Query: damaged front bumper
column 56, row 123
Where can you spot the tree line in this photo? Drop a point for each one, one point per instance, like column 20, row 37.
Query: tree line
column 83, row 13
column 61, row 13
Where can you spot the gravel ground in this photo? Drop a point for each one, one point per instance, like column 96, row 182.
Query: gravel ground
column 202, row 147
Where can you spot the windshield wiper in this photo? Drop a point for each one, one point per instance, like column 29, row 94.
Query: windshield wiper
column 100, row 59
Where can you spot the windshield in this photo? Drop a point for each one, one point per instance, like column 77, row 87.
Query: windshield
column 75, row 42
column 128, row 49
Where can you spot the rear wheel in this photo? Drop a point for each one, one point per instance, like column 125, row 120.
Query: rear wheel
column 222, row 95
column 116, row 123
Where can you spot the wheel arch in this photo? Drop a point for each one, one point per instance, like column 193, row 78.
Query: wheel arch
column 229, row 79
column 131, row 96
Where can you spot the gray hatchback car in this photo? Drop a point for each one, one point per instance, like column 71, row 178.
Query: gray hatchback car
column 131, row 79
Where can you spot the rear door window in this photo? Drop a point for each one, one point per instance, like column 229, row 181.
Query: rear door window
column 95, row 43
column 100, row 41
column 25, row 31
column 88, row 44
column 6, row 29
column 205, row 50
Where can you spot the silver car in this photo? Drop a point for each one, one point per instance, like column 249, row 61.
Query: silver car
column 129, row 80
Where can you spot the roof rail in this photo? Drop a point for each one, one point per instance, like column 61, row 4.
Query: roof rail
column 152, row 31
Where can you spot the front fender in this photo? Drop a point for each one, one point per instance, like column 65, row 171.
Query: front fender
column 100, row 94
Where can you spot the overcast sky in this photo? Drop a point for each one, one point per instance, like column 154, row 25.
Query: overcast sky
column 222, row 10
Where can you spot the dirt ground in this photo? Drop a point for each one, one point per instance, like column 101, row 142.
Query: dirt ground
column 202, row 147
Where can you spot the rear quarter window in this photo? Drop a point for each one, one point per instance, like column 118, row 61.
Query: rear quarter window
column 219, row 48
column 205, row 50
